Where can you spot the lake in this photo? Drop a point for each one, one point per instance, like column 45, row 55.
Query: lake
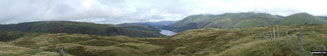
column 167, row 32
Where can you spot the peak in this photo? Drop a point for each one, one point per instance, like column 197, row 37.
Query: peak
column 302, row 13
column 306, row 15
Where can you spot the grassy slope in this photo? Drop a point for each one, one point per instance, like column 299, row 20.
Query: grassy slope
column 248, row 42
column 199, row 42
column 86, row 45
column 11, row 50
column 242, row 20
column 301, row 18
column 202, row 20
column 193, row 22
column 225, row 21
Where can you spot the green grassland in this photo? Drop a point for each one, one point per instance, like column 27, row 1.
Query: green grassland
column 12, row 50
column 224, row 21
column 242, row 20
column 198, row 42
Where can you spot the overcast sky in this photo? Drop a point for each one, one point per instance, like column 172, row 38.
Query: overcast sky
column 122, row 11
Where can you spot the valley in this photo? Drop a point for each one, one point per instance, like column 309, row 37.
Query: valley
column 199, row 42
column 163, row 28
column 209, row 35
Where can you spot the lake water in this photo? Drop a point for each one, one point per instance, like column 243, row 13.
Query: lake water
column 167, row 32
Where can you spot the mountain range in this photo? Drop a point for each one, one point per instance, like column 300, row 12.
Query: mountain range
column 229, row 34
column 12, row 31
column 323, row 17
column 241, row 20
column 152, row 24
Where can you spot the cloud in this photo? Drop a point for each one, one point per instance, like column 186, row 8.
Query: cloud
column 122, row 11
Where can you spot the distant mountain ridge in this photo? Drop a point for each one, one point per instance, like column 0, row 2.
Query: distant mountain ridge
column 152, row 24
column 139, row 27
column 241, row 20
column 160, row 23
column 323, row 17
column 78, row 27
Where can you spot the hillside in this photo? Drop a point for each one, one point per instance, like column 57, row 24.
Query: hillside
column 6, row 35
column 154, row 24
column 199, row 42
column 12, row 50
column 224, row 21
column 139, row 27
column 86, row 45
column 78, row 27
column 301, row 18
column 242, row 20
column 249, row 41
column 323, row 17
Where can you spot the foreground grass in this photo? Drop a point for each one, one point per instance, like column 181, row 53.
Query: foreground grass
column 199, row 42
column 11, row 50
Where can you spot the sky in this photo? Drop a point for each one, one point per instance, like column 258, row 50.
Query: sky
column 129, row 11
